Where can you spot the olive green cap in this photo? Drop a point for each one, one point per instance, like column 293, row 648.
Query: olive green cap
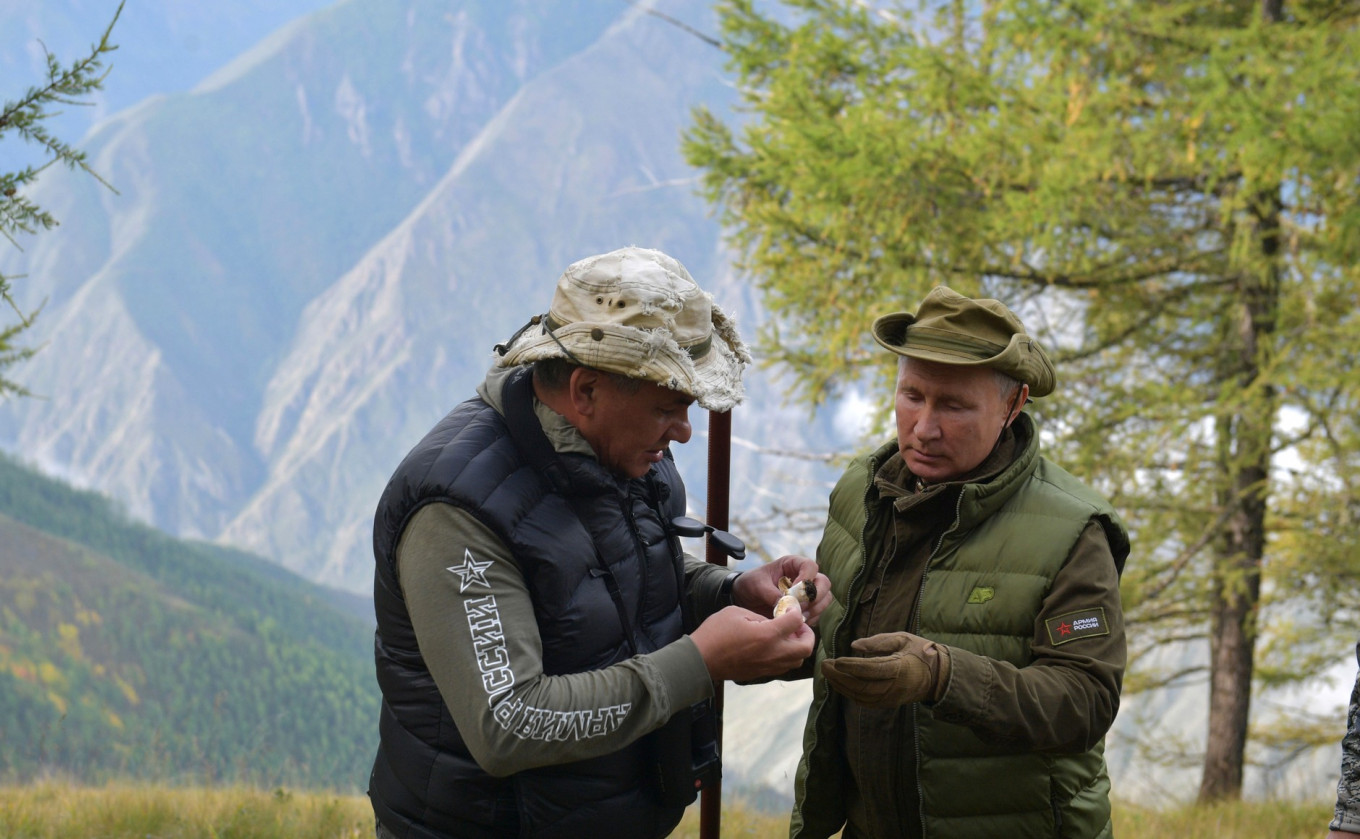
column 949, row 328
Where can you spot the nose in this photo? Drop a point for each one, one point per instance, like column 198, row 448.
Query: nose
column 926, row 426
column 680, row 430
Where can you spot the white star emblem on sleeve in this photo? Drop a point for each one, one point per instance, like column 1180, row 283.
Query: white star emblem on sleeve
column 470, row 572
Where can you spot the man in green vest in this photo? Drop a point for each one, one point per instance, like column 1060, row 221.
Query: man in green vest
column 971, row 662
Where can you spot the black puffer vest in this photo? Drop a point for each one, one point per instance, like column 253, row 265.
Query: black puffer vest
column 606, row 583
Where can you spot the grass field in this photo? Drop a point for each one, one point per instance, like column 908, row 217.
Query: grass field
column 58, row 811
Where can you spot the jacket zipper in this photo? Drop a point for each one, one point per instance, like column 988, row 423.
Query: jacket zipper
column 831, row 646
column 915, row 628
column 852, row 593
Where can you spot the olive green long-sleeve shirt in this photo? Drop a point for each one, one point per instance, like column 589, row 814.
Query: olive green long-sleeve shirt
column 475, row 623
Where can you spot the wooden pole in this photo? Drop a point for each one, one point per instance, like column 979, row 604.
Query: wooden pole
column 719, row 481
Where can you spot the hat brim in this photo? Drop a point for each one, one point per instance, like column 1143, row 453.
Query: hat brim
column 1023, row 359
column 713, row 379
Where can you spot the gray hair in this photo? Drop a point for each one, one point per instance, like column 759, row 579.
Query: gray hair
column 1008, row 385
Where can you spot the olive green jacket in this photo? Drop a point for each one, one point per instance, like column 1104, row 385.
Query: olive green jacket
column 985, row 596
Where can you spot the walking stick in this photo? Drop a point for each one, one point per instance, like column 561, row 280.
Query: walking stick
column 719, row 478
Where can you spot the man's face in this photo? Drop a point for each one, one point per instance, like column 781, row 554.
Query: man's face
column 948, row 417
column 629, row 428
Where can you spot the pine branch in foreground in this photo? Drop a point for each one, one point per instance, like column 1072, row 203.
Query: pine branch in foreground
column 24, row 119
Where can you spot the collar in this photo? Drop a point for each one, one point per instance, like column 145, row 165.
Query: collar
column 563, row 436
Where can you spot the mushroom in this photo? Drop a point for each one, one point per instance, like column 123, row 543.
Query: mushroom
column 794, row 595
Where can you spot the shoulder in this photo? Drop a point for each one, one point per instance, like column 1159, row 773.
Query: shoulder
column 1061, row 490
column 847, row 511
column 1065, row 486
column 468, row 428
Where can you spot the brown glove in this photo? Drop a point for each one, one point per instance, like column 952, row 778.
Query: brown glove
column 891, row 669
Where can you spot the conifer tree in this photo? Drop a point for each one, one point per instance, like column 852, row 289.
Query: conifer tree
column 19, row 214
column 1170, row 194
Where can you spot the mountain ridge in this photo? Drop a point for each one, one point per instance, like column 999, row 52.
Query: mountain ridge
column 125, row 653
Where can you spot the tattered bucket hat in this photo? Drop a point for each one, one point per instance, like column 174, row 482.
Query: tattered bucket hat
column 949, row 328
column 639, row 313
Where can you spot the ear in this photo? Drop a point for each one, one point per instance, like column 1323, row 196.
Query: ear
column 584, row 390
column 1017, row 404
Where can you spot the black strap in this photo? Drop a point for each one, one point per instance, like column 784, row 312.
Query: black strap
column 689, row 621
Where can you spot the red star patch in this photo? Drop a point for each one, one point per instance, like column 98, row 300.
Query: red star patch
column 1074, row 626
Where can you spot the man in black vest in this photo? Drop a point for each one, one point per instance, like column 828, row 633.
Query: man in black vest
column 545, row 650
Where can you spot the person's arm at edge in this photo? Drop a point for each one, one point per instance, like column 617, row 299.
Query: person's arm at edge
column 625, row 700
column 1346, row 818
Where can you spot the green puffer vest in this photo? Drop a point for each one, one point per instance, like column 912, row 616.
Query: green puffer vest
column 1011, row 535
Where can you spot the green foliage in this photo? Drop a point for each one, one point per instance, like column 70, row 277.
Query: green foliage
column 1168, row 194
column 127, row 654
column 19, row 214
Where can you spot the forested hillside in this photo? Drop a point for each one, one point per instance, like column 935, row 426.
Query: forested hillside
column 127, row 653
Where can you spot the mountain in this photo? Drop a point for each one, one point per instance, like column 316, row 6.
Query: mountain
column 407, row 332
column 171, row 304
column 125, row 653
column 312, row 253
column 165, row 46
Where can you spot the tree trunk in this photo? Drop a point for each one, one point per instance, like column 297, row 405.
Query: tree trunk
column 1232, row 640
column 1244, row 452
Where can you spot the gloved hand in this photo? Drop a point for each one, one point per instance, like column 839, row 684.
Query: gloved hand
column 890, row 669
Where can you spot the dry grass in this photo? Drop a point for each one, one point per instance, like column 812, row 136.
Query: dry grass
column 60, row 811
column 53, row 810
column 1240, row 820
column 736, row 822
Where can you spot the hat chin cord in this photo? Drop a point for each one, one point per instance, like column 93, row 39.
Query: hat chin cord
column 1011, row 414
column 547, row 321
column 553, row 335
column 502, row 349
